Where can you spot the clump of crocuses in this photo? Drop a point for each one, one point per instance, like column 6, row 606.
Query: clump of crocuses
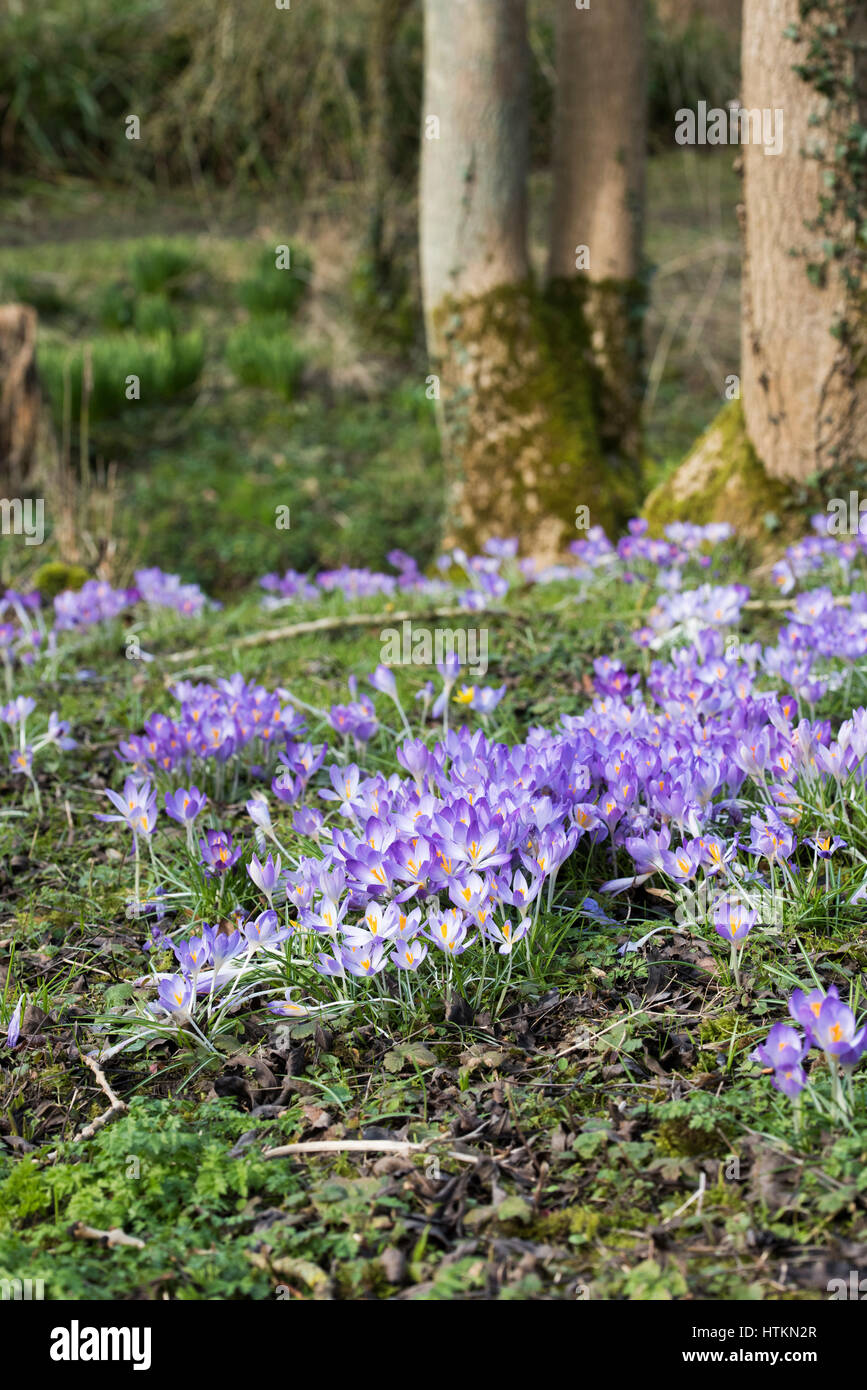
column 830, row 1026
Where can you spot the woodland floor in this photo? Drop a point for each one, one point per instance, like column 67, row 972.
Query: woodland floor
column 597, row 1136
column 600, row 1137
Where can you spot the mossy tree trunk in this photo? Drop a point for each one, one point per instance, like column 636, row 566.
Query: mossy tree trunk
column 804, row 385
column 800, row 428
column 517, row 394
column 597, row 215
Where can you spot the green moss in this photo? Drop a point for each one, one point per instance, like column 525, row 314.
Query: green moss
column 521, row 402
column 722, row 479
column 681, row 1139
column 52, row 579
column 718, row 1029
column 613, row 311
column 569, row 1221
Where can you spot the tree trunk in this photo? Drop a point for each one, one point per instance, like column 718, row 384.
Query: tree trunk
column 597, row 217
column 804, row 389
column 474, row 151
column 516, row 394
column 803, row 350
column 19, row 397
column 381, row 280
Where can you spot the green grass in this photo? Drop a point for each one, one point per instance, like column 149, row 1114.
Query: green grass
column 160, row 266
column 163, row 368
column 261, row 353
column 278, row 283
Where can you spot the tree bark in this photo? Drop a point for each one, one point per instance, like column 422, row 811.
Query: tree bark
column 19, row 397
column 385, row 19
column 802, row 416
column 600, row 146
column 517, row 397
column 804, row 389
column 474, row 166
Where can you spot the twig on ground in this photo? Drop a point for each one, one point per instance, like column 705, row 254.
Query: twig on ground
column 697, row 1196
column 279, row 634
column 116, row 1105
column 80, row 1231
column 403, row 1148
column 777, row 604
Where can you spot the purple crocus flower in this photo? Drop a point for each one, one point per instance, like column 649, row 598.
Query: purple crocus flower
column 184, row 804
column 805, row 1008
column 265, row 876
column 58, row 732
column 448, row 930
column 13, row 1032
column 287, row 788
column 266, row 929
column 175, row 995
column 364, row 960
column 733, row 921
column 771, row 839
column 137, row 805
column 417, row 758
column 408, row 954
column 791, row 1080
column 307, row 821
column 218, row 853
column 21, row 761
column 506, row 936
column 259, row 813
column 837, row 1033
column 783, row 1047
column 357, row 718
column 192, row 955
column 383, row 680
column 17, row 710
column 222, row 943
column 288, row 1008
column 330, row 965
column 825, row 844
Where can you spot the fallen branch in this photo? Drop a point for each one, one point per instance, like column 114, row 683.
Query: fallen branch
column 116, row 1105
column 403, row 1148
column 333, row 624
column 80, row 1231
column 779, row 604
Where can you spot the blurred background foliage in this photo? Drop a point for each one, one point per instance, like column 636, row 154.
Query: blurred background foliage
column 305, row 388
column 228, row 90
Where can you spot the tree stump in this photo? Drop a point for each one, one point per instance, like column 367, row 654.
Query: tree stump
column 19, row 397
